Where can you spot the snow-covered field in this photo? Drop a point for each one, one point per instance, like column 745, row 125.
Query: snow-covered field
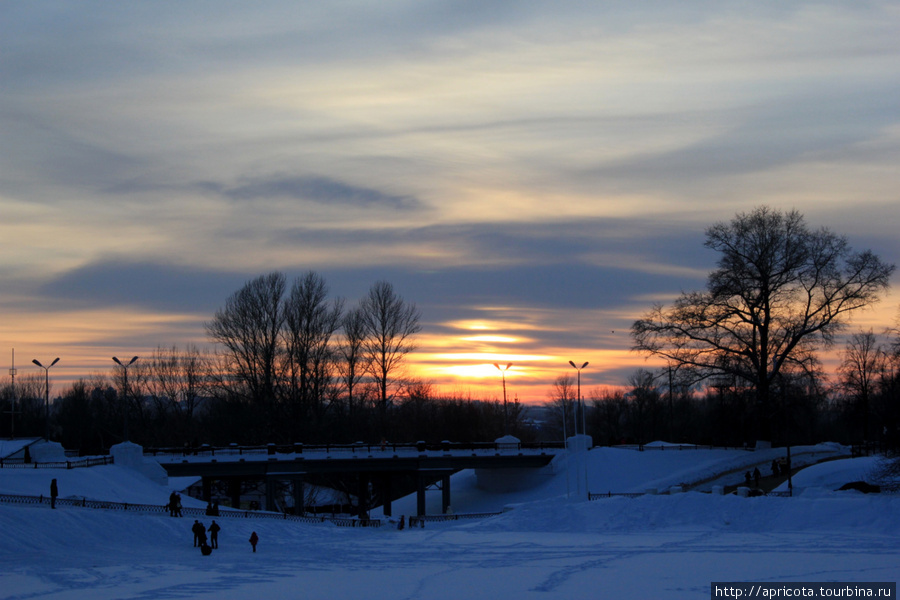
column 547, row 545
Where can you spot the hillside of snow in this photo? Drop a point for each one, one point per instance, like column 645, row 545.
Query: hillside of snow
column 548, row 544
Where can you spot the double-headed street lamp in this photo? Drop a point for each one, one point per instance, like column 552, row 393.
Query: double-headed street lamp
column 583, row 424
column 46, row 394
column 125, row 394
column 580, row 400
column 503, row 371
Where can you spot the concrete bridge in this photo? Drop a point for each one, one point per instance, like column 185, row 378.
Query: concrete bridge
column 381, row 473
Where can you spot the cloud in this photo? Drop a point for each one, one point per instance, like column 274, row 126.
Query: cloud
column 316, row 189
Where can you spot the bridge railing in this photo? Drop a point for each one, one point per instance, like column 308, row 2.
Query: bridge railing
column 352, row 449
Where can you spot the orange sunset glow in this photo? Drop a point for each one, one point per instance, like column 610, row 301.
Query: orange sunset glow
column 533, row 182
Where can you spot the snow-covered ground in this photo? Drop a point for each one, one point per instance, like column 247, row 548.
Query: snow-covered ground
column 548, row 544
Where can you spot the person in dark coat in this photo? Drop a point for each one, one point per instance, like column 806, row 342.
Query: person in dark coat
column 173, row 502
column 199, row 530
column 254, row 539
column 54, row 492
column 756, row 476
column 214, row 534
column 775, row 469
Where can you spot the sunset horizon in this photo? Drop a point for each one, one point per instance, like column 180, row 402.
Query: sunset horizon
column 533, row 178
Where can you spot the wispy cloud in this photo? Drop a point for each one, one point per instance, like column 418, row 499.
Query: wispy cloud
column 532, row 166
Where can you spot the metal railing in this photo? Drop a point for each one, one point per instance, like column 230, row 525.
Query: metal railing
column 357, row 448
column 186, row 512
column 679, row 447
column 599, row 496
column 19, row 463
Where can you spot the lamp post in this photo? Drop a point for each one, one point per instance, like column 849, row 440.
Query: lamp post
column 125, row 393
column 583, row 423
column 46, row 394
column 580, row 400
column 503, row 371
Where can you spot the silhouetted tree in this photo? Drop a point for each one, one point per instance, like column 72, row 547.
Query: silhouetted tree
column 861, row 370
column 249, row 329
column 353, row 363
column 780, row 292
column 390, row 323
column 310, row 321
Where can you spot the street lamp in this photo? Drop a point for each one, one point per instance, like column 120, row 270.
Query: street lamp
column 580, row 400
column 503, row 371
column 125, row 393
column 46, row 393
column 583, row 422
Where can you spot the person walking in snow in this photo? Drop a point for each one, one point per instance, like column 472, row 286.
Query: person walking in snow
column 775, row 469
column 214, row 534
column 254, row 539
column 54, row 492
column 756, row 476
column 172, row 504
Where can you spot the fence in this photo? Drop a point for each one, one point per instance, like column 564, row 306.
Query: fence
column 679, row 447
column 599, row 496
column 420, row 520
column 19, row 463
column 186, row 512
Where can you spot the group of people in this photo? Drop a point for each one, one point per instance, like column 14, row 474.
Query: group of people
column 207, row 546
column 200, row 541
column 777, row 470
column 174, row 505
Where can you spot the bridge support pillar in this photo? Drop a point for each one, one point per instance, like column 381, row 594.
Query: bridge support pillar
column 387, row 493
column 234, row 492
column 362, row 495
column 420, row 494
column 445, row 493
column 271, row 487
column 207, row 489
column 299, row 498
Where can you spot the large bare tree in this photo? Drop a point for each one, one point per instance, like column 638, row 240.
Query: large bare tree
column 310, row 321
column 354, row 361
column 249, row 329
column 390, row 322
column 780, row 292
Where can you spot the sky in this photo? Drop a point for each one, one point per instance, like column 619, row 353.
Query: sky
column 533, row 176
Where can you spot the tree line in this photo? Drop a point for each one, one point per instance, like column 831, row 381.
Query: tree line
column 741, row 358
column 741, row 364
column 291, row 364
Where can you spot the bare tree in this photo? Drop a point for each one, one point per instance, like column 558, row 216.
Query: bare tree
column 176, row 380
column 563, row 405
column 644, row 400
column 310, row 321
column 354, row 361
column 390, row 323
column 862, row 366
column 779, row 293
column 249, row 329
